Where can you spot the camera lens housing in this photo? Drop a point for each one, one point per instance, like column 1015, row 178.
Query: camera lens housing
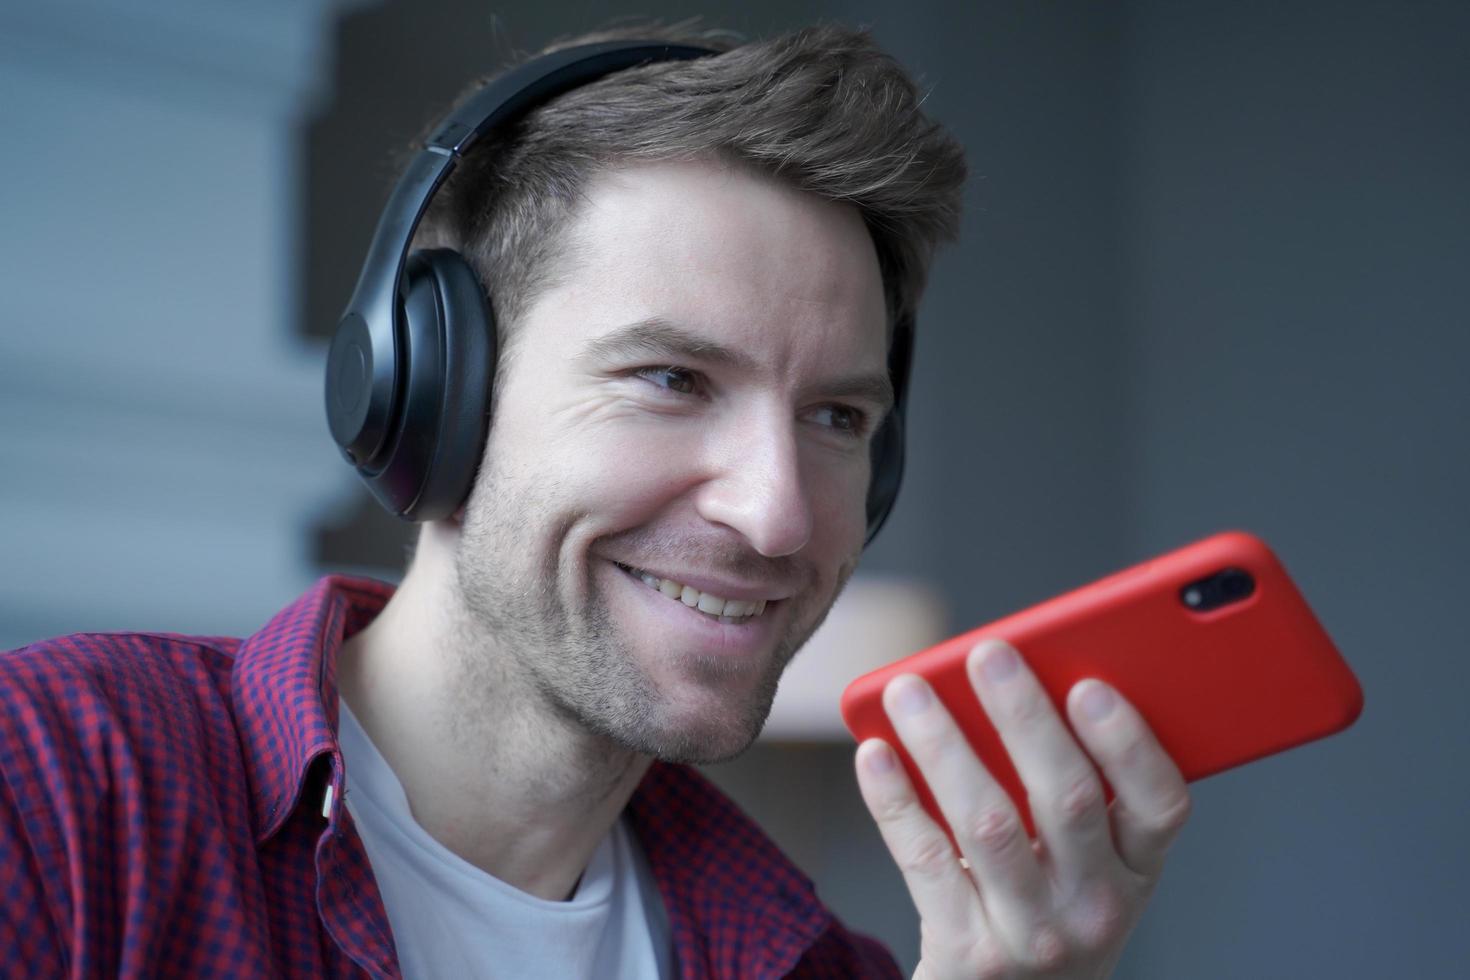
column 1227, row 586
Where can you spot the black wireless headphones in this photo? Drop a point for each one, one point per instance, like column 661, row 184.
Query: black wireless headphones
column 409, row 369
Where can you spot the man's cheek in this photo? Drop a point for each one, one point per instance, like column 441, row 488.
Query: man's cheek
column 635, row 474
column 839, row 500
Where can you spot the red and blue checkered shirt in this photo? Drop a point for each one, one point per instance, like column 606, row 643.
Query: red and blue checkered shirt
column 162, row 814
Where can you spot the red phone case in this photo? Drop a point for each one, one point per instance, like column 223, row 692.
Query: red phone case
column 1219, row 688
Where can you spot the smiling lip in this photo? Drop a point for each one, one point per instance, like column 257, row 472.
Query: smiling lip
column 696, row 632
column 724, row 609
column 714, row 586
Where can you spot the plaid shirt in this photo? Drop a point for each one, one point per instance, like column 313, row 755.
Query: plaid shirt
column 172, row 806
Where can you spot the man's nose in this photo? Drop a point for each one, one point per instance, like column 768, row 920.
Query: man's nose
column 756, row 485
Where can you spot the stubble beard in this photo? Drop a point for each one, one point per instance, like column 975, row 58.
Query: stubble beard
column 578, row 666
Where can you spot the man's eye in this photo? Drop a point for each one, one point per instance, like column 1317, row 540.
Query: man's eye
column 842, row 418
column 676, row 379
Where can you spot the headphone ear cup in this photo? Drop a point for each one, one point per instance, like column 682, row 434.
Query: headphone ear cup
column 448, row 355
column 886, row 457
column 886, row 451
column 459, row 393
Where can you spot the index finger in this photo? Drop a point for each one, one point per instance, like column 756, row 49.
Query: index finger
column 942, row 891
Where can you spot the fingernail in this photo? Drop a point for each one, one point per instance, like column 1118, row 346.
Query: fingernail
column 912, row 695
column 1097, row 701
column 998, row 663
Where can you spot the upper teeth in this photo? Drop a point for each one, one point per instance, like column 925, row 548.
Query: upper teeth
column 703, row 601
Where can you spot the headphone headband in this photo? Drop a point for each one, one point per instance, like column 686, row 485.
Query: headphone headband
column 371, row 327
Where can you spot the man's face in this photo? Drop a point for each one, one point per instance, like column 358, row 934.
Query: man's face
column 685, row 416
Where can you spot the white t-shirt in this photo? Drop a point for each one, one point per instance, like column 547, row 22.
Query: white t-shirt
column 451, row 919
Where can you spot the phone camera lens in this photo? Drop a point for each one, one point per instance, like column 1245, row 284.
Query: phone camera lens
column 1221, row 589
column 1236, row 584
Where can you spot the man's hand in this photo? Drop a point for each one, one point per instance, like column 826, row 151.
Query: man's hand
column 1065, row 904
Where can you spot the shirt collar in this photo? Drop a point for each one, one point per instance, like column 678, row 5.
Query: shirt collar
column 703, row 851
column 284, row 690
column 735, row 902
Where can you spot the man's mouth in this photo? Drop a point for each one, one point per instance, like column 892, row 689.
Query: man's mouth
column 716, row 607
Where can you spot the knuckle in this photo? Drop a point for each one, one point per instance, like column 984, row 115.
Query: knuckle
column 1102, row 918
column 1155, row 830
column 1135, row 751
column 891, row 809
column 993, row 967
column 928, row 856
column 1170, row 819
column 966, row 955
column 988, row 961
column 1048, row 951
column 927, row 745
column 981, row 958
column 1029, row 708
column 1080, row 800
column 995, row 830
column 992, row 964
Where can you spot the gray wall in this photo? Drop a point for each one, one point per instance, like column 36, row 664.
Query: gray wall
column 1217, row 276
column 1297, row 226
column 1213, row 275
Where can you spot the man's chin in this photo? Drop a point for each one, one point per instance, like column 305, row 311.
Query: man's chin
column 700, row 737
column 700, row 750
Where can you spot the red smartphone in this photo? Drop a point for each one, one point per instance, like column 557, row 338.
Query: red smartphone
column 1212, row 643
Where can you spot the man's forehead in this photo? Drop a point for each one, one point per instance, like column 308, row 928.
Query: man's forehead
column 729, row 254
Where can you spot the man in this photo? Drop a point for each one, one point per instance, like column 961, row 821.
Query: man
column 695, row 269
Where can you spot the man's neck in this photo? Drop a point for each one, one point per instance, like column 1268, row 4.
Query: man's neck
column 490, row 770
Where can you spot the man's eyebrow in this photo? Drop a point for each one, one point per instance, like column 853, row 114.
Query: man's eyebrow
column 658, row 338
column 877, row 388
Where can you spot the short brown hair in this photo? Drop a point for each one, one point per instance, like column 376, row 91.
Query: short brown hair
column 820, row 108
